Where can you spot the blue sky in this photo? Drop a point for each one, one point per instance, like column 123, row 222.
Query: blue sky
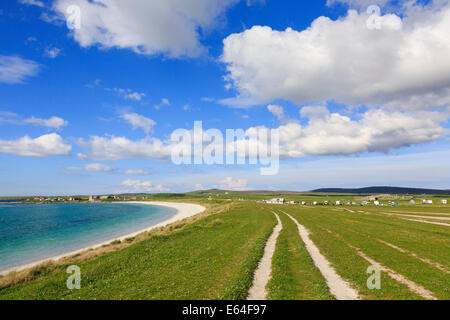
column 83, row 111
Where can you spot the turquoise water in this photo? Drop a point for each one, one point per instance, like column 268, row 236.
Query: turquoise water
column 32, row 232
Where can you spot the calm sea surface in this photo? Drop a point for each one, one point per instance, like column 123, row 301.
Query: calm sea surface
column 32, row 232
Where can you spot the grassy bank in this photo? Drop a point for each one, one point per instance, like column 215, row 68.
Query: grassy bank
column 212, row 258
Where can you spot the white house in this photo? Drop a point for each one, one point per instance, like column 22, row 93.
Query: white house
column 276, row 201
column 443, row 201
column 412, row 202
column 314, row 203
column 303, row 202
column 338, row 203
column 376, row 202
column 427, row 201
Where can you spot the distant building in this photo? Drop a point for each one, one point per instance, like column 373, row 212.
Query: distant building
column 376, row 202
column 412, row 202
column 314, row 203
column 104, row 197
column 116, row 197
column 93, row 198
column 303, row 202
column 364, row 203
column 338, row 203
column 443, row 201
column 427, row 201
column 276, row 201
column 325, row 203
column 291, row 202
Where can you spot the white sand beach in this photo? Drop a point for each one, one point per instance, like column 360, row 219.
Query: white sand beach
column 184, row 210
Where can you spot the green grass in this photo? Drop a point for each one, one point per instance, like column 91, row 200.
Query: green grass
column 294, row 275
column 332, row 232
column 213, row 258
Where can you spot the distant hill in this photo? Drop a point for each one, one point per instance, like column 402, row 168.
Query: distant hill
column 254, row 192
column 380, row 190
column 367, row 190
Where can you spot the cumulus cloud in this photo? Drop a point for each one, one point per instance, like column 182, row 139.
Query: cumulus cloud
column 229, row 183
column 374, row 131
column 143, row 186
column 277, row 111
column 377, row 131
column 43, row 146
column 117, row 148
column 402, row 65
column 139, row 122
column 97, row 167
column 14, row 69
column 53, row 122
column 147, row 27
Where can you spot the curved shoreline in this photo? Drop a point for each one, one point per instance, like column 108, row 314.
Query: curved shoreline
column 184, row 210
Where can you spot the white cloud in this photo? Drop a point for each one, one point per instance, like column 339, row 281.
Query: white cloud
column 326, row 133
column 277, row 111
column 128, row 93
column 14, row 69
column 97, row 167
column 139, row 121
column 345, row 61
column 33, row 3
column 52, row 52
column 81, row 156
column 148, row 27
column 117, row 148
column 164, row 102
column 229, row 183
column 53, row 122
column 376, row 131
column 43, row 146
column 143, row 186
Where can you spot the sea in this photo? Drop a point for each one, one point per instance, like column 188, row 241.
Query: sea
column 34, row 232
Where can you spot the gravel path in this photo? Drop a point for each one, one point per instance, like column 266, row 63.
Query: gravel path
column 339, row 288
column 263, row 272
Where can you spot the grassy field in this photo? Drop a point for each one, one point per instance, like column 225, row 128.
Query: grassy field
column 336, row 234
column 215, row 255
